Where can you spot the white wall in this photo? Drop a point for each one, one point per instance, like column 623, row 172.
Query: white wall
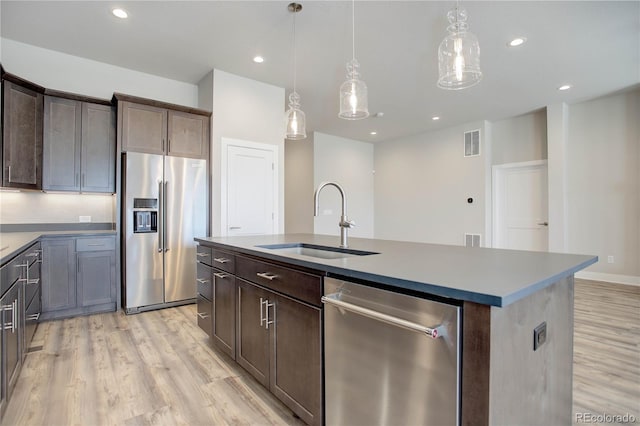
column 59, row 71
column 298, row 185
column 248, row 110
column 422, row 184
column 603, row 184
column 350, row 164
column 519, row 139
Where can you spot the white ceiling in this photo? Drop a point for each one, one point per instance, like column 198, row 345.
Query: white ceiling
column 593, row 45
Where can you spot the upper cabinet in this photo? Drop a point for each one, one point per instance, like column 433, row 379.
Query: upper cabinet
column 22, row 108
column 79, row 145
column 158, row 128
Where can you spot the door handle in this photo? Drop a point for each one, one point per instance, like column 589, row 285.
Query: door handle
column 164, row 217
column 543, row 223
column 262, row 302
column 161, row 231
column 235, row 227
column 266, row 308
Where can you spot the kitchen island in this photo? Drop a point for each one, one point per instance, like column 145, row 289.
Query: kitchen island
column 506, row 297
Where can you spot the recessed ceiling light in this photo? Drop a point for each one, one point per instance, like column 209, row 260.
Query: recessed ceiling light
column 435, row 118
column 258, row 59
column 373, row 133
column 518, row 41
column 564, row 87
column 120, row 13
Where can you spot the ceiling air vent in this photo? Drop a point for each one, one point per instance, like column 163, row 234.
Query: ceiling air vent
column 472, row 143
column 472, row 240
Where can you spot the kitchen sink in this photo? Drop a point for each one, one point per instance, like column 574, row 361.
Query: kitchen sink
column 313, row 250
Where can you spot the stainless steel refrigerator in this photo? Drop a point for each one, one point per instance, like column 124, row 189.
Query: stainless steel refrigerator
column 165, row 207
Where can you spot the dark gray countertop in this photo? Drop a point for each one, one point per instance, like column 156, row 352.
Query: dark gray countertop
column 488, row 276
column 12, row 243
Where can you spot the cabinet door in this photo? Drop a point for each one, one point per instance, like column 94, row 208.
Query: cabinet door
column 144, row 128
column 11, row 303
column 188, row 135
column 224, row 312
column 22, row 137
column 296, row 371
column 58, row 275
column 98, row 171
column 96, row 278
column 252, row 336
column 61, row 144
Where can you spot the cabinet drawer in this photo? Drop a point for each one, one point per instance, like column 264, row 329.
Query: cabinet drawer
column 224, row 260
column 32, row 285
column 11, row 272
column 204, row 315
column 301, row 285
column 96, row 244
column 203, row 254
column 203, row 280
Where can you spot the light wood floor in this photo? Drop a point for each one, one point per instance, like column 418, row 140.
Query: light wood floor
column 156, row 368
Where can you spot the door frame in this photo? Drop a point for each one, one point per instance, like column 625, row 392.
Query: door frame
column 497, row 174
column 224, row 179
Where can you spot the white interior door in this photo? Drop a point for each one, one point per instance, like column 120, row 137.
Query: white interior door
column 520, row 209
column 250, row 190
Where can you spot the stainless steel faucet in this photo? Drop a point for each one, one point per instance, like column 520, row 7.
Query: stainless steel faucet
column 345, row 223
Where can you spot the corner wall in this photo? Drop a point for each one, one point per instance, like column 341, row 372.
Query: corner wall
column 422, row 184
column 248, row 110
column 349, row 163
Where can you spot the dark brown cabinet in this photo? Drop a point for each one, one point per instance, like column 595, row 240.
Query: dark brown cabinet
column 79, row 146
column 158, row 130
column 279, row 343
column 22, row 110
column 268, row 317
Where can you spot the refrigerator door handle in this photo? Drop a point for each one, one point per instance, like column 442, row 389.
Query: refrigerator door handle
column 164, row 217
column 161, row 218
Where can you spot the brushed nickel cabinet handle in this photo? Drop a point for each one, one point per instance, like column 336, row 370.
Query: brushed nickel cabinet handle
column 220, row 275
column 202, row 281
column 221, row 260
column 267, row 275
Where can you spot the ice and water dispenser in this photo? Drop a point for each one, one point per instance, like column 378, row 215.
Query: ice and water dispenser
column 145, row 215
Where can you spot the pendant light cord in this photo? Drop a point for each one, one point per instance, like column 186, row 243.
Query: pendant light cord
column 353, row 28
column 295, row 62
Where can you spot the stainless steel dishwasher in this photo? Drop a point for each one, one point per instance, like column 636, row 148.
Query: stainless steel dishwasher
column 390, row 359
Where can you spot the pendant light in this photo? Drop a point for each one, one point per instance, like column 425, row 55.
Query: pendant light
column 353, row 92
column 296, row 121
column 459, row 54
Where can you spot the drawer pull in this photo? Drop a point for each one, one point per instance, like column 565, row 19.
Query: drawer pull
column 202, row 254
column 203, row 315
column 33, row 254
column 220, row 275
column 33, row 317
column 221, row 260
column 95, row 244
column 267, row 275
column 202, row 281
column 34, row 281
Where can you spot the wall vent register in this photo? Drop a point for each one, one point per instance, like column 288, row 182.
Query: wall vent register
column 472, row 143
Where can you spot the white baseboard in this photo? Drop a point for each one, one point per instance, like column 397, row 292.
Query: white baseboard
column 610, row 278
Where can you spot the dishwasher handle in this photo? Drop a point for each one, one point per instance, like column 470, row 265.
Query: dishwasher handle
column 333, row 299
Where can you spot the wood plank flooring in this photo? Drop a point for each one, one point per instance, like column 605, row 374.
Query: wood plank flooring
column 156, row 368
column 606, row 349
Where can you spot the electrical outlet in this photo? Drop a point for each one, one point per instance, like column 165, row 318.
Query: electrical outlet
column 610, row 259
column 539, row 335
column 84, row 218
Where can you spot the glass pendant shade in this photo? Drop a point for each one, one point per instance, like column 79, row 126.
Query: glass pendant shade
column 459, row 54
column 296, row 121
column 354, row 104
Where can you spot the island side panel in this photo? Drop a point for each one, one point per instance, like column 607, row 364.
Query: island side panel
column 476, row 347
column 526, row 386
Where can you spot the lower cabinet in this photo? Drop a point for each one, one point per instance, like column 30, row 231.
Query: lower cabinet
column 19, row 313
column 279, row 344
column 268, row 317
column 78, row 276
